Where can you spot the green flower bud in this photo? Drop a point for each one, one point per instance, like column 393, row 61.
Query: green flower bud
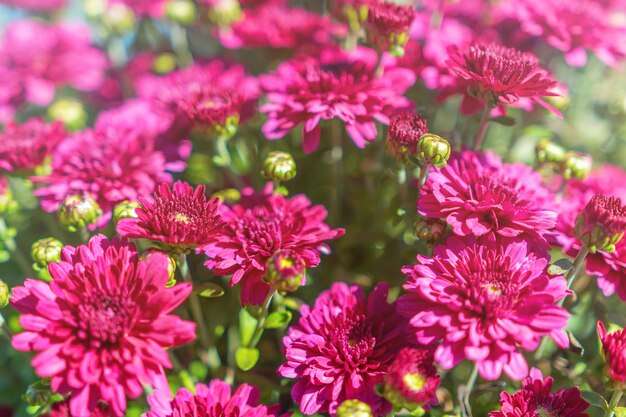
column 286, row 271
column 576, row 165
column 181, row 11
column 78, row 211
column 434, row 150
column 171, row 264
column 225, row 12
column 44, row 251
column 429, row 230
column 279, row 166
column 549, row 152
column 125, row 210
column 69, row 111
column 119, row 18
column 354, row 408
column 5, row 294
column 164, row 63
column 229, row 195
column 7, row 203
column 38, row 394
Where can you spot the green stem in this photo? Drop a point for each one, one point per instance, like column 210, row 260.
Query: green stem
column 85, row 235
column 483, row 124
column 258, row 330
column 466, row 391
column 610, row 411
column 180, row 45
column 4, row 329
column 194, row 302
column 421, row 179
column 16, row 254
column 471, row 381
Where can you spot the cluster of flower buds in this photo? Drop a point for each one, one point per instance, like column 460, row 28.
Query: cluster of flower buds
column 286, row 271
column 279, row 166
column 388, row 26
column 576, row 165
column 601, row 224
column 45, row 251
column 408, row 138
column 78, row 211
column 354, row 408
column 548, row 152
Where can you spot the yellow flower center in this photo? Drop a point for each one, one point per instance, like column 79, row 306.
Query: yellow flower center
column 415, row 382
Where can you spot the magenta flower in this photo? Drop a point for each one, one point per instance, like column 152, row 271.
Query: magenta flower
column 102, row 325
column 214, row 400
column 62, row 409
column 38, row 5
column 109, row 165
column 36, row 58
column 281, row 27
column 537, row 399
column 614, row 349
column 261, row 225
column 412, row 379
column 341, row 349
column 333, row 84
column 484, row 301
column 25, row 146
column 178, row 218
column 479, row 195
column 152, row 8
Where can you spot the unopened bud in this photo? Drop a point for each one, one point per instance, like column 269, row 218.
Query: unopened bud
column 549, row 152
column 434, row 150
column 38, row 394
column 576, row 165
column 228, row 195
column 171, row 264
column 279, row 166
column 286, row 271
column 181, row 11
column 69, row 111
column 354, row 408
column 125, row 210
column 602, row 223
column 164, row 63
column 225, row 12
column 429, row 230
column 44, row 251
column 78, row 211
column 5, row 294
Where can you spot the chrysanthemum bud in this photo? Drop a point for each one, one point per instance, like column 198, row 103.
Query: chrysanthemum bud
column 601, row 224
column 225, row 12
column 171, row 264
column 405, row 131
column 119, row 18
column 411, row 380
column 229, row 195
column 549, row 152
column 388, row 26
column 279, row 166
column 45, row 251
column 286, row 271
column 429, row 230
column 181, row 11
column 125, row 210
column 69, row 111
column 576, row 165
column 354, row 408
column 164, row 63
column 78, row 211
column 38, row 394
column 434, row 150
column 7, row 202
column 5, row 294
column 613, row 348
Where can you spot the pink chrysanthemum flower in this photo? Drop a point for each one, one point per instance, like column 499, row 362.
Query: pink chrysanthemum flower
column 38, row 5
column 484, row 300
column 108, row 165
column 388, row 18
column 502, row 75
column 102, row 325
column 536, row 399
column 609, row 267
column 341, row 349
column 258, row 227
column 602, row 223
column 614, row 349
column 479, row 195
column 214, row 400
column 178, row 218
column 332, row 85
column 62, row 409
column 25, row 146
column 281, row 27
column 152, row 8
column 573, row 27
column 405, row 131
column 36, row 58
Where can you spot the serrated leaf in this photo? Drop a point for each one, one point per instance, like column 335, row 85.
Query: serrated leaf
column 277, row 320
column 503, row 120
column 246, row 358
column 595, row 399
column 209, row 290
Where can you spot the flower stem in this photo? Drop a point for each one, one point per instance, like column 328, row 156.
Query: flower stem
column 9, row 243
column 483, row 124
column 194, row 302
column 421, row 179
column 610, row 411
column 258, row 330
column 465, row 391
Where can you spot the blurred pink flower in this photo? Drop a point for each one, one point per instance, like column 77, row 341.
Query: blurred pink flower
column 152, row 8
column 333, row 84
column 341, row 349
column 25, row 146
column 36, row 58
column 258, row 227
column 38, row 5
column 484, row 300
column 102, row 325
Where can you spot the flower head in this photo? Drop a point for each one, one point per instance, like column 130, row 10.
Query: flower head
column 498, row 74
column 614, row 349
column 179, row 218
column 388, row 25
column 333, row 84
column 479, row 195
column 260, row 226
column 25, row 146
column 602, row 223
column 102, row 325
column 341, row 349
column 537, row 399
column 484, row 300
column 405, row 131
column 214, row 400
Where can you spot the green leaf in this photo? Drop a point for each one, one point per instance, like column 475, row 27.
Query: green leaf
column 560, row 267
column 277, row 320
column 503, row 120
column 620, row 411
column 595, row 399
column 247, row 325
column 292, row 303
column 246, row 358
column 209, row 290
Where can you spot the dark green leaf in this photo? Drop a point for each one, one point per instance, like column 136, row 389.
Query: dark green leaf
column 209, row 290
column 503, row 120
column 595, row 399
